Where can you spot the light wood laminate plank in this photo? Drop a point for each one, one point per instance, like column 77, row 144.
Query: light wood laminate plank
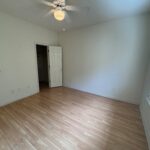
column 67, row 119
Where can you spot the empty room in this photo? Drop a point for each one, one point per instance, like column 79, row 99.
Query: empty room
column 74, row 75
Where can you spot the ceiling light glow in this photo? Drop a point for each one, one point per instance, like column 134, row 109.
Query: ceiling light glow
column 59, row 15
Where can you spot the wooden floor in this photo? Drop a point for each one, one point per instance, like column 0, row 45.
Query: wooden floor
column 66, row 119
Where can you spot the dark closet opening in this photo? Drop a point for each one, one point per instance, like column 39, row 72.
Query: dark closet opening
column 42, row 62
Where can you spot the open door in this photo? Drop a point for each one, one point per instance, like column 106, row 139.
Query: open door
column 55, row 66
column 42, row 66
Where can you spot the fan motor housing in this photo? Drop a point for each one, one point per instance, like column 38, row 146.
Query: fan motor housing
column 59, row 3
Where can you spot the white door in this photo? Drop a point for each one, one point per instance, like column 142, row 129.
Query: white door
column 55, row 66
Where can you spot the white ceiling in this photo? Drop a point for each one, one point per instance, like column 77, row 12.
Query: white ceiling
column 90, row 11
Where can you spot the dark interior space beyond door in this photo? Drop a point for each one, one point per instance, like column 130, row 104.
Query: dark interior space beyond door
column 42, row 61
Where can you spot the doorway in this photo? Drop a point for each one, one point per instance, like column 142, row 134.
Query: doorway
column 42, row 63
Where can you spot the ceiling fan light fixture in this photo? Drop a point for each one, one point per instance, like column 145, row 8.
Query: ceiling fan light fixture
column 59, row 15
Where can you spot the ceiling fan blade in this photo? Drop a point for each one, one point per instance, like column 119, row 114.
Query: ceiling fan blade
column 48, row 3
column 71, row 8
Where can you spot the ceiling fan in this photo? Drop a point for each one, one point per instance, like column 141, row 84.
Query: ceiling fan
column 59, row 8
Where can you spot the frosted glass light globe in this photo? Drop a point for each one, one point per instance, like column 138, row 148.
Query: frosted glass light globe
column 59, row 15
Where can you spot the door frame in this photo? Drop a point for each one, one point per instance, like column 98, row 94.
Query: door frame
column 36, row 62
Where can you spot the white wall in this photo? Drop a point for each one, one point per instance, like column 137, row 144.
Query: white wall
column 18, row 72
column 108, row 59
column 145, row 107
